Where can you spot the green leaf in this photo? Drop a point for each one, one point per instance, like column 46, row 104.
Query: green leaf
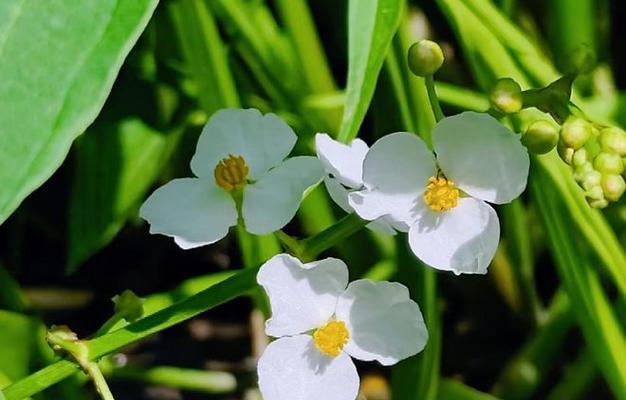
column 452, row 390
column 17, row 334
column 371, row 27
column 204, row 54
column 594, row 312
column 115, row 165
column 58, row 61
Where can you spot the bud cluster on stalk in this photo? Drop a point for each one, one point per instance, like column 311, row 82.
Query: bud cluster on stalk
column 597, row 155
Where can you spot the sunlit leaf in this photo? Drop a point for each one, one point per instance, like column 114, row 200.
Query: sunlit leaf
column 58, row 60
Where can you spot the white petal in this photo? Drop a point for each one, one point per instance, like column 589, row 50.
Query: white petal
column 271, row 203
column 344, row 162
column 463, row 239
column 481, row 156
column 395, row 173
column 398, row 163
column 302, row 296
column 292, row 368
column 262, row 140
column 338, row 193
column 384, row 323
column 396, row 209
column 193, row 211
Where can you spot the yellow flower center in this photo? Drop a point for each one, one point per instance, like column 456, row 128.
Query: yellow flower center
column 231, row 173
column 330, row 338
column 441, row 194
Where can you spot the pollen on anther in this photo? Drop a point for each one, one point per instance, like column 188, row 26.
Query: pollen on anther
column 330, row 338
column 441, row 194
column 231, row 173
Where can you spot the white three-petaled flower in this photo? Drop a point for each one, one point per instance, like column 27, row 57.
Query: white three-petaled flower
column 441, row 202
column 344, row 169
column 240, row 157
column 322, row 322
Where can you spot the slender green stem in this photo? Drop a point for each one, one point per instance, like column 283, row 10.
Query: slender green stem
column 432, row 97
column 98, row 379
column 290, row 243
column 344, row 228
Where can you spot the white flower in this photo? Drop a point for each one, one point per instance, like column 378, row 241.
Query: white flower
column 344, row 169
column 442, row 201
column 321, row 324
column 239, row 163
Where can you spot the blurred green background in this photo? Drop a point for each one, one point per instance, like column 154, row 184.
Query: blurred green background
column 548, row 320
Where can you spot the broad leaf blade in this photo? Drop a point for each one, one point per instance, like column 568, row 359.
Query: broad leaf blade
column 58, row 61
column 371, row 26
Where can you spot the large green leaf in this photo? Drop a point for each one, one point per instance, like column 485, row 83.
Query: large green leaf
column 58, row 61
column 371, row 27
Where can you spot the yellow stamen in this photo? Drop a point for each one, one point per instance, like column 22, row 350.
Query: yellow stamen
column 441, row 194
column 231, row 173
column 330, row 338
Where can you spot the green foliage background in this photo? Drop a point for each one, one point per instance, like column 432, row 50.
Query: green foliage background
column 559, row 277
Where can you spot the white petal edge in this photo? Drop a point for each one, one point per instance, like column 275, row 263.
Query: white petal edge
column 272, row 202
column 462, row 240
column 302, row 296
column 398, row 163
column 483, row 157
column 384, row 323
column 397, row 210
column 195, row 212
column 344, row 162
column 292, row 368
column 338, row 193
column 262, row 140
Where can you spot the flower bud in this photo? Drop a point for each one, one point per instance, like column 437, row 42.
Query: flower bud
column 580, row 157
column 608, row 163
column 613, row 140
column 128, row 305
column 613, row 186
column 540, row 137
column 590, row 179
column 506, row 96
column 575, row 132
column 425, row 58
column 595, row 193
column 566, row 153
column 597, row 203
column 581, row 60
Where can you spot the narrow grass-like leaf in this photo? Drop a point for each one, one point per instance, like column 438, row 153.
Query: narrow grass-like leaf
column 371, row 26
column 126, row 157
column 58, row 61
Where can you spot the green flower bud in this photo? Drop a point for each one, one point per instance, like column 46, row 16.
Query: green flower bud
column 540, row 137
column 595, row 193
column 506, row 96
column 597, row 203
column 575, row 132
column 580, row 157
column 128, row 305
column 608, row 163
column 590, row 179
column 425, row 58
column 613, row 186
column 566, row 153
column 613, row 140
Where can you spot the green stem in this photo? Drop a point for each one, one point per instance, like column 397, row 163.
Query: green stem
column 344, row 228
column 98, row 379
column 432, row 97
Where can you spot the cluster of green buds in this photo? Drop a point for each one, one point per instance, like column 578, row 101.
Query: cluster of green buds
column 596, row 153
